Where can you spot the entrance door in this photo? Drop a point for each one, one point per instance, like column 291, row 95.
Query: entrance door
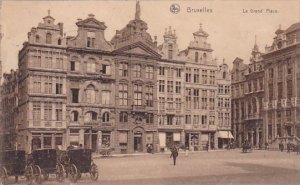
column 169, row 139
column 138, row 142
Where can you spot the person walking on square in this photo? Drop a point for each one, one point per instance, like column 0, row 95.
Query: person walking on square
column 174, row 154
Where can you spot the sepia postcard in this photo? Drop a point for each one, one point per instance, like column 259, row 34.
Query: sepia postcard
column 158, row 92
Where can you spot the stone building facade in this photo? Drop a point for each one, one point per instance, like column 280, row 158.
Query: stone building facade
column 9, row 96
column 265, row 92
column 282, row 86
column 247, row 99
column 128, row 93
column 223, row 80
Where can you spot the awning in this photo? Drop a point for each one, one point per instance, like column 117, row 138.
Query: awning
column 225, row 134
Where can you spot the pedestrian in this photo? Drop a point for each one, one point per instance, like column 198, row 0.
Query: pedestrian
column 207, row 146
column 186, row 151
column 174, row 154
column 288, row 146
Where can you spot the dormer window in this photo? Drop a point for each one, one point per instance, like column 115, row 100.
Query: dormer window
column 196, row 56
column 37, row 39
column 90, row 43
column 224, row 75
column 170, row 51
column 48, row 38
column 59, row 42
column 204, row 57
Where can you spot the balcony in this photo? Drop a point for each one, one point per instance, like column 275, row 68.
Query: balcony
column 138, row 108
column 170, row 127
column 92, row 123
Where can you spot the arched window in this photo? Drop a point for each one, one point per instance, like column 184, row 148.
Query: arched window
column 74, row 116
column 37, row 39
column 90, row 116
column 90, row 94
column 204, row 57
column 105, row 117
column 48, row 38
column 196, row 56
column 123, row 117
column 59, row 42
column 224, row 75
column 170, row 51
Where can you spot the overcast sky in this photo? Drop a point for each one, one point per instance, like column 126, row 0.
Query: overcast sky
column 231, row 32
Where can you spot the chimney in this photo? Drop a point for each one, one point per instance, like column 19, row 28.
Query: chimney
column 61, row 28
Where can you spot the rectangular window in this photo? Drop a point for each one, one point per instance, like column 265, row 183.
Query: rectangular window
column 105, row 97
column 47, row 111
column 204, row 119
column 36, row 111
column 170, row 103
column 161, row 103
column 150, row 119
column 196, row 99
column 188, row 119
column 204, row 76
column 149, row 72
column 48, row 85
column 161, row 86
column 161, row 70
column 212, row 77
column 123, row 69
column 37, row 82
column 188, row 75
column 178, row 103
column 289, row 85
column 137, row 71
column 137, row 94
column 75, row 95
column 196, row 76
column 106, row 69
column 178, row 72
column 58, row 86
column 73, row 66
column 149, row 96
column 170, row 72
column 58, row 111
column 188, row 95
column 170, row 87
column 204, row 99
column 170, row 119
column 48, row 61
column 123, row 94
column 196, row 120
column 178, row 87
column 90, row 39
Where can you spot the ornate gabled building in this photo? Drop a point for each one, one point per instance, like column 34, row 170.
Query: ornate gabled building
column 223, row 80
column 42, row 87
column 282, row 87
column 170, row 89
column 247, row 99
column 128, row 93
column 9, row 122
column 136, row 61
column 200, row 93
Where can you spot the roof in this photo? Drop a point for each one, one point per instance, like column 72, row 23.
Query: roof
column 293, row 27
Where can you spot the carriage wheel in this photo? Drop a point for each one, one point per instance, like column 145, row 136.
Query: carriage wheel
column 3, row 175
column 60, row 173
column 37, row 174
column 94, row 172
column 78, row 175
column 73, row 173
column 29, row 174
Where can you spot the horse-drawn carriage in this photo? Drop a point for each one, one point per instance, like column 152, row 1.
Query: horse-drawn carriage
column 106, row 151
column 80, row 161
column 44, row 162
column 12, row 163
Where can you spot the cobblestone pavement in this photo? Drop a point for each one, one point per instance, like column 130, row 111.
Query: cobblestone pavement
column 213, row 167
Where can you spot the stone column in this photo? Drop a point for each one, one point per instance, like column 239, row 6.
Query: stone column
column 257, row 136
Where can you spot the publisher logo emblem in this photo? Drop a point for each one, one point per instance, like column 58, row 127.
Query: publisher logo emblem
column 174, row 8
